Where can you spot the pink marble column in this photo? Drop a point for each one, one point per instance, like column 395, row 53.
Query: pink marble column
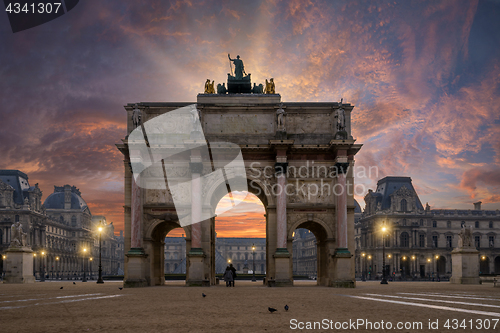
column 342, row 212
column 281, row 211
column 195, row 210
column 136, row 214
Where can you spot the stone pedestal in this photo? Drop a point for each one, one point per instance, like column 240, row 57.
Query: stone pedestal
column 137, row 266
column 282, row 264
column 196, row 268
column 465, row 266
column 19, row 265
column 342, row 261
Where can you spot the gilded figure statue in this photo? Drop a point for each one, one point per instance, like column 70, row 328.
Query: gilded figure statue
column 270, row 88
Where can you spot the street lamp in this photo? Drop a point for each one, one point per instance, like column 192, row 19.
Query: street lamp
column 42, row 267
column 253, row 259
column 384, row 281
column 370, row 270
column 3, row 266
column 83, row 262
column 413, row 267
column 363, row 278
column 91, row 267
column 429, row 261
column 34, row 267
column 437, row 269
column 99, row 279
column 57, row 267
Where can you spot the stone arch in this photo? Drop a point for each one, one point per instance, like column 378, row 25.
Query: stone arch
column 441, row 266
column 324, row 236
column 154, row 246
column 484, row 265
column 215, row 193
column 218, row 190
column 497, row 265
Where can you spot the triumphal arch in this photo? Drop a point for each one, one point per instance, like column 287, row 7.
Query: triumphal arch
column 297, row 158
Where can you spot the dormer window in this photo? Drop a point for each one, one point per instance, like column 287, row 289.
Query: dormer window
column 404, row 205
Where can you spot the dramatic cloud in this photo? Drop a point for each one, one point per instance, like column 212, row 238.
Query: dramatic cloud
column 424, row 78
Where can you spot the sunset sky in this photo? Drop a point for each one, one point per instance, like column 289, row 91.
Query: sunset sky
column 424, row 78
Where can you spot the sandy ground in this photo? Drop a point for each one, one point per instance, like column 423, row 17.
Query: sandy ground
column 88, row 307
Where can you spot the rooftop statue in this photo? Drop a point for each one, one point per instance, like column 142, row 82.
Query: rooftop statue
column 270, row 88
column 136, row 116
column 239, row 69
column 209, row 87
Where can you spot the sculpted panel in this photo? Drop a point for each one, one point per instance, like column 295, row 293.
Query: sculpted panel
column 239, row 123
column 310, row 192
column 308, row 123
column 158, row 196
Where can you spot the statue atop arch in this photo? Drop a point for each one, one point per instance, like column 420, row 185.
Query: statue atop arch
column 240, row 82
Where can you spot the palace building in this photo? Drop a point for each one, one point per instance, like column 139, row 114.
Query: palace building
column 418, row 240
column 57, row 231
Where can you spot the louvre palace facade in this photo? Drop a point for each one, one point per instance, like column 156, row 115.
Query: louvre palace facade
column 57, row 231
column 419, row 240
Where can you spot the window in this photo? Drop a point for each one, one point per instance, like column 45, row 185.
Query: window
column 387, row 240
column 421, row 240
column 404, row 239
column 448, row 224
column 421, row 222
column 490, row 225
column 477, row 241
column 404, row 222
column 403, row 205
column 448, row 241
column 17, row 218
column 491, row 241
column 476, row 224
column 434, row 241
column 73, row 221
column 434, row 224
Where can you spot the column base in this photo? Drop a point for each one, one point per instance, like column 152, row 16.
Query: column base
column 19, row 265
column 343, row 278
column 282, row 266
column 136, row 269
column 196, row 269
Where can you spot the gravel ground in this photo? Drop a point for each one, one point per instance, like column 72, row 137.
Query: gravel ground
column 88, row 307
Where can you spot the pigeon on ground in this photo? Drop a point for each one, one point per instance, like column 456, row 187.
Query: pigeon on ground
column 272, row 310
column 74, row 282
column 202, row 294
column 61, row 288
column 286, row 307
column 120, row 288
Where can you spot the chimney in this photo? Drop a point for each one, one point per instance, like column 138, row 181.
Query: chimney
column 67, row 197
column 477, row 205
column 121, row 233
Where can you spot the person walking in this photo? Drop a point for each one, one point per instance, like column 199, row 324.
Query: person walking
column 228, row 276
column 231, row 267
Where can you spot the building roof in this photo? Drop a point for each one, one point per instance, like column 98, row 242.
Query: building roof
column 56, row 199
column 18, row 181
column 388, row 185
column 357, row 207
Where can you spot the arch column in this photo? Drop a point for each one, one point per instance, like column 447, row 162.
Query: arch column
column 196, row 256
column 282, row 259
column 136, row 256
column 342, row 257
